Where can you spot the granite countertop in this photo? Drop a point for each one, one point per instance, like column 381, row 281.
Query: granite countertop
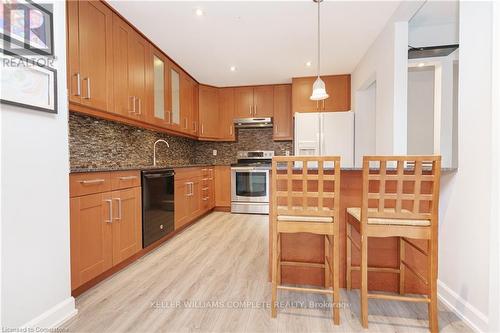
column 147, row 167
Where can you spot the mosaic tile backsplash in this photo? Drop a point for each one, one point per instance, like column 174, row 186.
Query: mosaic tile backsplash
column 96, row 144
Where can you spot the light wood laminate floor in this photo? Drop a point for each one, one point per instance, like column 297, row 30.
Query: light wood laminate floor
column 200, row 280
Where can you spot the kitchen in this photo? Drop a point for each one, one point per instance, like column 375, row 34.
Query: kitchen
column 168, row 167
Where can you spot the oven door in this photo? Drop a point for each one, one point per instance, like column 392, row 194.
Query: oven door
column 249, row 185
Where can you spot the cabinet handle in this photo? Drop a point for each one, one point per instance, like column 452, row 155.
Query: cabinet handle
column 255, row 110
column 276, row 128
column 93, row 181
column 317, row 105
column 195, row 126
column 133, row 104
column 140, row 105
column 230, row 129
column 119, row 209
column 186, row 123
column 251, row 111
column 205, row 199
column 169, row 121
column 202, row 129
column 78, row 85
column 88, row 87
column 110, row 202
column 128, row 177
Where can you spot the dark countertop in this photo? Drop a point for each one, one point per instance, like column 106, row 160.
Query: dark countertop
column 147, row 167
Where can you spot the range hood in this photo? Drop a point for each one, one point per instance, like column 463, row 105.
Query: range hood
column 253, row 122
column 431, row 51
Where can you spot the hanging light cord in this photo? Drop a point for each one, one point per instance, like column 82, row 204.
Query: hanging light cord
column 319, row 40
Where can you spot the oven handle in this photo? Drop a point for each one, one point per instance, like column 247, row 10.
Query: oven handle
column 254, row 169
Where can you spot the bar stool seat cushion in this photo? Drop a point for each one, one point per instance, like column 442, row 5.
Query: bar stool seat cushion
column 356, row 213
column 292, row 218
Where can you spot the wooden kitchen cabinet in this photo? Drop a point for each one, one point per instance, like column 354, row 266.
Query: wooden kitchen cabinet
column 222, row 186
column 175, row 96
column 159, row 113
column 283, row 118
column 127, row 223
column 187, row 103
column 90, row 61
column 208, row 112
column 226, row 114
column 91, row 237
column 182, row 198
column 250, row 102
column 207, row 188
column 105, row 227
column 337, row 86
column 131, row 58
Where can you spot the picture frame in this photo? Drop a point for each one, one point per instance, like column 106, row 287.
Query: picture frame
column 28, row 83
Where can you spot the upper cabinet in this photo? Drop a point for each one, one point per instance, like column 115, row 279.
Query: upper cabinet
column 226, row 114
column 159, row 113
column 251, row 102
column 189, row 122
column 283, row 118
column 208, row 112
column 90, row 62
column 337, row 86
column 131, row 61
column 175, row 95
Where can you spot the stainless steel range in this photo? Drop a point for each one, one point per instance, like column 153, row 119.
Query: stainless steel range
column 250, row 182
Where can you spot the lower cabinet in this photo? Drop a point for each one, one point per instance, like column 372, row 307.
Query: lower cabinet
column 193, row 194
column 106, row 227
column 222, row 186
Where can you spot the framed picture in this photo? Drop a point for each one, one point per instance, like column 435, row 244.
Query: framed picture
column 28, row 83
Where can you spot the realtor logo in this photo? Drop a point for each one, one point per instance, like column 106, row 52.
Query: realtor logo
column 26, row 28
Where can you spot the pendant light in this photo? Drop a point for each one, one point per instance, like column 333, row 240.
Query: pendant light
column 319, row 90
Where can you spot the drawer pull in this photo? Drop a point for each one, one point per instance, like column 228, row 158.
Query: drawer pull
column 93, row 181
column 110, row 202
column 205, row 189
column 205, row 199
column 128, row 177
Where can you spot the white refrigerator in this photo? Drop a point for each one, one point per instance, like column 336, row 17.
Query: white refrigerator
column 325, row 134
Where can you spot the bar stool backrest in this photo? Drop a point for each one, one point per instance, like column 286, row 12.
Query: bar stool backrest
column 306, row 185
column 401, row 187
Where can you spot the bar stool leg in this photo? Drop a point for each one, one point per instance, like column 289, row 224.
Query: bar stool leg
column 432, row 269
column 274, row 272
column 335, row 256
column 364, row 281
column 279, row 260
column 401, row 266
column 327, row 269
column 348, row 256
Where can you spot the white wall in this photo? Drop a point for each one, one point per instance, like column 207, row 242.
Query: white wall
column 466, row 204
column 386, row 62
column 421, row 110
column 432, row 35
column 35, row 277
column 364, row 132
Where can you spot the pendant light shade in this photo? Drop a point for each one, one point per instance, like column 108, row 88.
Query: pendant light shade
column 318, row 89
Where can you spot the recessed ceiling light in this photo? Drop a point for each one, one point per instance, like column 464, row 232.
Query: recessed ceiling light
column 308, row 64
column 421, row 64
column 232, row 68
column 199, row 12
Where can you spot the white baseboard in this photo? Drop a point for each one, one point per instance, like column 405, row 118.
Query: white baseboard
column 55, row 316
column 463, row 309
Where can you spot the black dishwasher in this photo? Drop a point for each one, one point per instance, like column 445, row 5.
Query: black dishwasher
column 157, row 204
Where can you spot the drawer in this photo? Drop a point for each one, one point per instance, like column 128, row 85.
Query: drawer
column 187, row 173
column 207, row 172
column 125, row 179
column 89, row 183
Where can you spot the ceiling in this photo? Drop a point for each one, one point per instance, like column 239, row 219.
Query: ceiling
column 435, row 12
column 267, row 41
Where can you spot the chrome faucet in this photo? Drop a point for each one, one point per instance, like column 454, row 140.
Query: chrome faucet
column 154, row 149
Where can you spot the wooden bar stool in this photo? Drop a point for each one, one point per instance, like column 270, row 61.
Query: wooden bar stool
column 400, row 199
column 305, row 198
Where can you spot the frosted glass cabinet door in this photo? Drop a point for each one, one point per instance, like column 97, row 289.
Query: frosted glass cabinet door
column 175, row 91
column 159, row 88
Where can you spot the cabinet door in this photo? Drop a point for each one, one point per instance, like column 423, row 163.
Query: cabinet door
column 186, row 103
column 127, row 223
column 182, row 198
column 175, row 96
column 91, row 237
column 339, row 89
column 195, row 114
column 124, row 101
column 95, row 56
column 196, row 199
column 283, row 119
column 208, row 112
column 226, row 114
column 263, row 101
column 243, row 102
column 158, row 113
column 301, row 91
column 73, row 76
column 138, row 50
column 222, row 186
